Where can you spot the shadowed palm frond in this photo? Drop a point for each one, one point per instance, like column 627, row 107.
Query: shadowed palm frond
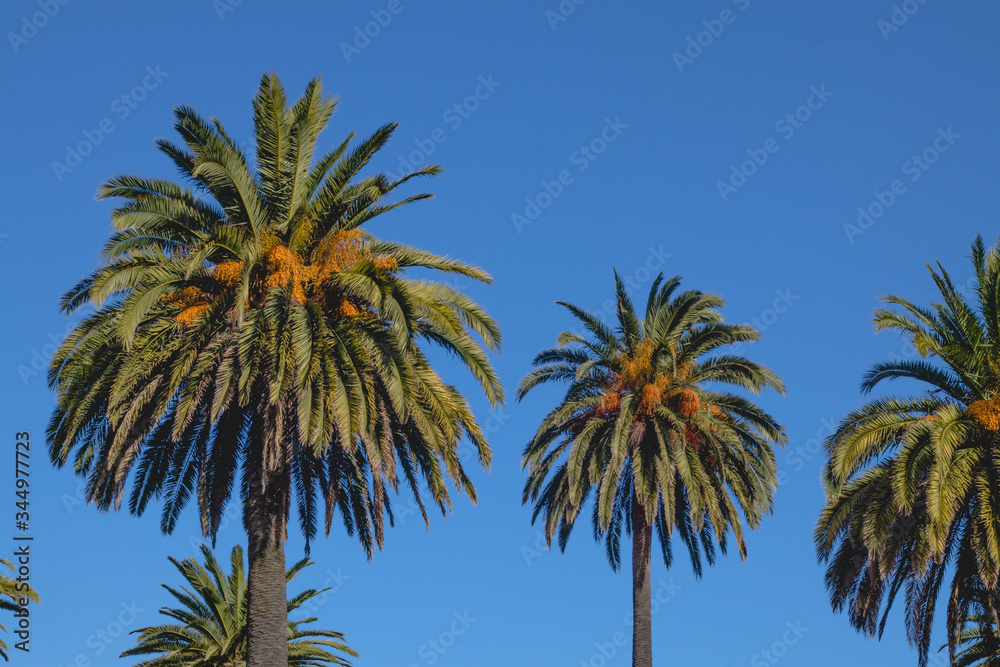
column 913, row 483
column 259, row 285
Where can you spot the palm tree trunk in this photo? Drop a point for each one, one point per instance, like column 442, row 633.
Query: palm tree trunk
column 642, row 595
column 266, row 520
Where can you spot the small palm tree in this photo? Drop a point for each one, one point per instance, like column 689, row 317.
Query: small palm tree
column 646, row 428
column 978, row 642
column 913, row 482
column 250, row 332
column 211, row 628
column 13, row 594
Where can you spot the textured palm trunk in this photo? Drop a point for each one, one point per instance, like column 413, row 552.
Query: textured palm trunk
column 266, row 522
column 642, row 597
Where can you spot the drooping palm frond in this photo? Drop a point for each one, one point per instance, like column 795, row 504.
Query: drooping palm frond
column 913, row 483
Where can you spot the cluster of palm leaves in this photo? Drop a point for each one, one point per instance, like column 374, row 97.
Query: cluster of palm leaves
column 251, row 332
column 210, row 628
column 913, row 482
column 977, row 644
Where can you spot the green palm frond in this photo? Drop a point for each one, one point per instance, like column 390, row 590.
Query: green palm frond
column 639, row 425
column 913, row 483
column 210, row 626
column 249, row 314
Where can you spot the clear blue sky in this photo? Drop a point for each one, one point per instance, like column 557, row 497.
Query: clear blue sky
column 640, row 139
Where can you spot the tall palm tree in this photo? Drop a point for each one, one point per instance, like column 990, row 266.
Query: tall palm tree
column 211, row 625
column 12, row 594
column 250, row 327
column 647, row 427
column 913, row 482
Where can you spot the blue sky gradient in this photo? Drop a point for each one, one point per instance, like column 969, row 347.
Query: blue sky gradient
column 800, row 159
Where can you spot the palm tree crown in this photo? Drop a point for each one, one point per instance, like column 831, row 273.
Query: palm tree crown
column 913, row 482
column 639, row 424
column 211, row 625
column 252, row 328
column 271, row 298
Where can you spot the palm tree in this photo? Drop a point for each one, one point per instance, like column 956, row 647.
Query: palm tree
column 14, row 595
column 913, row 482
column 211, row 626
column 978, row 640
column 250, row 327
column 641, row 429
